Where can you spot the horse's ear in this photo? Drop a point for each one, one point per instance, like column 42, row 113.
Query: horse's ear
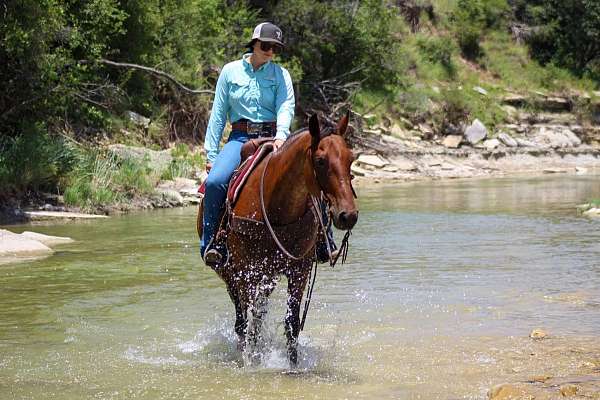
column 342, row 125
column 314, row 128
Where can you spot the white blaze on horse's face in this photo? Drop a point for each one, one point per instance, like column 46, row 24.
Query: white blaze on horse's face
column 332, row 160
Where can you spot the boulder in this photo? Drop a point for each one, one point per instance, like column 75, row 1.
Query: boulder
column 476, row 132
column 452, row 141
column 507, row 140
column 491, row 144
column 12, row 244
column 426, row 130
column 157, row 160
column 571, row 137
column 525, row 142
column 138, row 119
column 552, row 137
column 397, row 131
column 371, row 161
column 171, row 196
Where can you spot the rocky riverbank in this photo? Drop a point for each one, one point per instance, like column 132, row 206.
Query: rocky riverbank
column 550, row 140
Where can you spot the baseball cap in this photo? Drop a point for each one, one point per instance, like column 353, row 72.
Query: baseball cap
column 267, row 32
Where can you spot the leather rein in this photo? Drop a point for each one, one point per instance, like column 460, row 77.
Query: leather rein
column 266, row 218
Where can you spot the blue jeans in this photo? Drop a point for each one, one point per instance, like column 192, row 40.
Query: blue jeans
column 217, row 183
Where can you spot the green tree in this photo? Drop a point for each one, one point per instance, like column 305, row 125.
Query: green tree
column 568, row 34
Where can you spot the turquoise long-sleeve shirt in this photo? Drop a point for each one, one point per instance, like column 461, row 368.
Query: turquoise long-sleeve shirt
column 263, row 95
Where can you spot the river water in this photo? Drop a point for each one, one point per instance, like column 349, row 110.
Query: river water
column 443, row 284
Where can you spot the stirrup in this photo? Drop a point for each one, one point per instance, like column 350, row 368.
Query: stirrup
column 212, row 258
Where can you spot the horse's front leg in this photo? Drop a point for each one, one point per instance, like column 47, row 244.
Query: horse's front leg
column 297, row 279
column 240, row 316
column 257, row 309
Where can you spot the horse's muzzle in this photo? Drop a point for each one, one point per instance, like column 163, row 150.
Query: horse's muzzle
column 345, row 220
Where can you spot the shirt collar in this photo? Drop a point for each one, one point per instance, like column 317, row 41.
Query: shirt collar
column 248, row 64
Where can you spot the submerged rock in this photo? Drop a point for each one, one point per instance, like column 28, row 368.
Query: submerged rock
column 568, row 390
column 538, row 334
column 506, row 391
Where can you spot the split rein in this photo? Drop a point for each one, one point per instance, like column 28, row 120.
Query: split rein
column 316, row 206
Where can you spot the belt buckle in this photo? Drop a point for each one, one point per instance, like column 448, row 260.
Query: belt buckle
column 254, row 128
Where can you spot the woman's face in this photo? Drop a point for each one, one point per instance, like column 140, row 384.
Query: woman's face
column 261, row 55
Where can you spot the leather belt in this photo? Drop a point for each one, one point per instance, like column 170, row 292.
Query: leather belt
column 257, row 129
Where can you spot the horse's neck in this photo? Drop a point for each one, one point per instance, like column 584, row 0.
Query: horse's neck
column 290, row 176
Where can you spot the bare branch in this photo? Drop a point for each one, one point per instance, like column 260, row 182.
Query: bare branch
column 153, row 71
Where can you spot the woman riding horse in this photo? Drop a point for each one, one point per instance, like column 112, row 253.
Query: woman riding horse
column 258, row 98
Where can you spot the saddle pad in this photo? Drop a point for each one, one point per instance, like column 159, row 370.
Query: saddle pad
column 241, row 174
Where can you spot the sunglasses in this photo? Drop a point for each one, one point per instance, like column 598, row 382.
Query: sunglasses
column 266, row 46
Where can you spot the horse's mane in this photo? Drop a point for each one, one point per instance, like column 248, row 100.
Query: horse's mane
column 297, row 133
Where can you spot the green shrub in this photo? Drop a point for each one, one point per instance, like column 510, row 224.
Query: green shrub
column 471, row 18
column 438, row 50
column 35, row 161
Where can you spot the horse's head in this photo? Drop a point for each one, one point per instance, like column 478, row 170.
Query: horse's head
column 331, row 160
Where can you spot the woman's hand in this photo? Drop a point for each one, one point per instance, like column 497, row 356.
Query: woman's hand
column 277, row 144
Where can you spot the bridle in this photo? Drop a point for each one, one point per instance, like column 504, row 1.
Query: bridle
column 316, row 208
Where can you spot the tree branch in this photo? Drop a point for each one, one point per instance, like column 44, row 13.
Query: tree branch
column 153, row 71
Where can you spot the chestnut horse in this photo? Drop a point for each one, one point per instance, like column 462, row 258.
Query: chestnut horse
column 272, row 229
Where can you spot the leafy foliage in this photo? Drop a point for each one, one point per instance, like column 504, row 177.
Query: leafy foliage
column 567, row 33
column 472, row 18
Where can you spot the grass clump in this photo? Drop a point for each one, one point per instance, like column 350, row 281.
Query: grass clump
column 185, row 163
column 101, row 179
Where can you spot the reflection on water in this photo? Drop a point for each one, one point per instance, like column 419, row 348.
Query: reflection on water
column 443, row 283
